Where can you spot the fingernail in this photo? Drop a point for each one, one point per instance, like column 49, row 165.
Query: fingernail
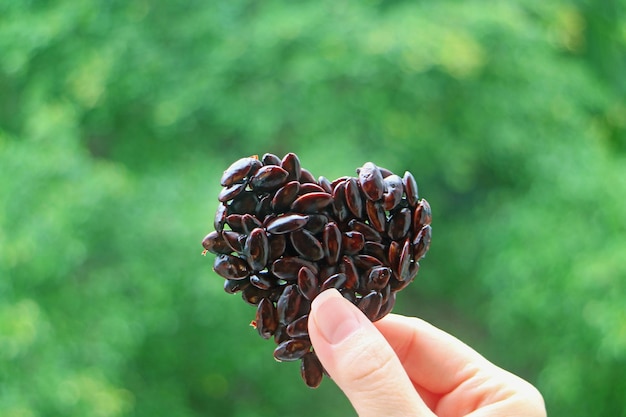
column 334, row 316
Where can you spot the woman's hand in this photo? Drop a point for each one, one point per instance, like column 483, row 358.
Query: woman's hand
column 401, row 366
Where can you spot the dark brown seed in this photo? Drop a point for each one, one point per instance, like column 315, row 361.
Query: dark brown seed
column 311, row 188
column 386, row 292
column 325, row 184
column 311, row 370
column 353, row 198
column 308, row 283
column 256, row 249
column 266, row 318
column 245, row 202
column 331, row 239
column 263, row 280
column 334, row 281
column 220, row 217
column 316, row 223
column 393, row 256
column 288, row 304
column 386, row 307
column 399, row 285
column 340, row 207
column 286, row 224
column 236, row 241
column 366, row 262
column 349, row 268
column 371, row 181
column 235, row 221
column 238, row 170
column 292, row 350
column 421, row 243
column 422, row 216
column 306, row 245
column 393, row 192
column 280, row 335
column 405, row 261
column 339, row 180
column 378, row 278
column 285, row 196
column 253, row 295
column 215, row 243
column 326, row 271
column 278, row 243
column 312, row 202
column 377, row 250
column 305, row 306
column 366, row 230
column 299, row 327
column 399, row 224
column 231, row 267
column 287, row 268
column 269, row 218
column 350, row 295
column 306, row 177
column 232, row 286
column 376, row 215
column 264, row 207
column 269, row 178
column 276, row 291
column 385, row 172
column 291, row 164
column 413, row 270
column 410, row 189
column 250, row 223
column 370, row 304
column 352, row 242
column 231, row 192
column 270, row 159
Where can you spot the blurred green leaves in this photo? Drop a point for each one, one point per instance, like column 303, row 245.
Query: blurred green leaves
column 117, row 118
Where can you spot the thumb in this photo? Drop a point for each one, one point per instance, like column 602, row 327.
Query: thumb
column 360, row 360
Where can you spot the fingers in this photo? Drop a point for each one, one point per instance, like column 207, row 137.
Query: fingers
column 463, row 381
column 433, row 359
column 360, row 360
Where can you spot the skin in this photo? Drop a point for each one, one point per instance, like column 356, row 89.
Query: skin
column 403, row 366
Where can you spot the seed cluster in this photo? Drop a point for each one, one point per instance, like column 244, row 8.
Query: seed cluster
column 282, row 237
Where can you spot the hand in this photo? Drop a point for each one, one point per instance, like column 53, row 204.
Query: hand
column 401, row 366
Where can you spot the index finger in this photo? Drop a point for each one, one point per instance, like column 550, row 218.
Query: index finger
column 433, row 359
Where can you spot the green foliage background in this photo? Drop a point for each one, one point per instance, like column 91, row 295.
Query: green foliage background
column 117, row 118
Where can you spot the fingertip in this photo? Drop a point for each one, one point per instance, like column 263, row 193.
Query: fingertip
column 322, row 297
column 333, row 317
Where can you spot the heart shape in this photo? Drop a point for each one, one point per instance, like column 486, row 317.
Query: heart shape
column 281, row 237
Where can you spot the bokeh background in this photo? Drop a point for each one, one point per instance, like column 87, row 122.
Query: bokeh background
column 117, row 119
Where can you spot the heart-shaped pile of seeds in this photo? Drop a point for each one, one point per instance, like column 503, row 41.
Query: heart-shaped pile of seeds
column 282, row 237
